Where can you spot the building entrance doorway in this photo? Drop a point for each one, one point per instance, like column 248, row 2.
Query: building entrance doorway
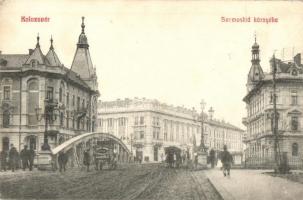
column 139, row 156
column 5, row 144
column 156, row 153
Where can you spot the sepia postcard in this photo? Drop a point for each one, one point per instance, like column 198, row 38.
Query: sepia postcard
column 172, row 99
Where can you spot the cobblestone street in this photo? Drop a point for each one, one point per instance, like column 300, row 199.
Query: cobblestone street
column 132, row 182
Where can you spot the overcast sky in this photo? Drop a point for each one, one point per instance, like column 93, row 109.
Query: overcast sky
column 178, row 52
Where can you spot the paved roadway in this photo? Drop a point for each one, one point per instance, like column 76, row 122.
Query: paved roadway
column 130, row 182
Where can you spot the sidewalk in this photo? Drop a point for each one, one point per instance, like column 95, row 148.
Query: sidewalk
column 252, row 184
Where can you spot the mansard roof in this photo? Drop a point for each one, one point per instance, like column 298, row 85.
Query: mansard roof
column 12, row 60
column 255, row 73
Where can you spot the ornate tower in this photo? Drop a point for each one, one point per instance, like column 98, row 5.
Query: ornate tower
column 52, row 56
column 82, row 63
column 255, row 73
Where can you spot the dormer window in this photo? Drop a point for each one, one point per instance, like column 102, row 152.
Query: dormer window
column 34, row 63
column 294, row 72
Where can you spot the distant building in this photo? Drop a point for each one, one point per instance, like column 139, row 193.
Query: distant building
column 148, row 126
column 259, row 105
column 30, row 82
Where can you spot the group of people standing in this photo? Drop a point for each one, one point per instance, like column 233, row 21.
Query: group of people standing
column 10, row 159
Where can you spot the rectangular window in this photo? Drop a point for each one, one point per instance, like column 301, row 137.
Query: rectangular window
column 110, row 122
column 67, row 119
column 294, row 97
column 141, row 134
column 83, row 103
column 294, row 123
column 73, row 103
column 60, row 94
column 122, row 121
column 6, row 92
column 136, row 120
column 67, row 99
column 61, row 119
column 78, row 103
column 141, row 120
column 50, row 93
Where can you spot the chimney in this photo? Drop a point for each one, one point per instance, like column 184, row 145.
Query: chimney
column 297, row 59
column 30, row 51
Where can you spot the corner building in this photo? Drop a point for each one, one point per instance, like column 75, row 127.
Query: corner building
column 29, row 81
column 148, row 126
column 259, row 105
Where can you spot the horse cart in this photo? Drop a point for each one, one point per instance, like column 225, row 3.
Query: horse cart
column 104, row 156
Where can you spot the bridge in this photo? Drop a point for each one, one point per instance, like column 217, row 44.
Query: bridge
column 76, row 146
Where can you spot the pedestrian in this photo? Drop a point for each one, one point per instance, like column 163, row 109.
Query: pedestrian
column 13, row 156
column 24, row 155
column 175, row 159
column 226, row 159
column 4, row 159
column 195, row 160
column 31, row 157
column 86, row 159
column 62, row 161
column 212, row 158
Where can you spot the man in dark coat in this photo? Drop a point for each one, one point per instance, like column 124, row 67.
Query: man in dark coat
column 226, row 159
column 31, row 157
column 62, row 161
column 13, row 156
column 212, row 158
column 24, row 155
column 4, row 159
column 86, row 159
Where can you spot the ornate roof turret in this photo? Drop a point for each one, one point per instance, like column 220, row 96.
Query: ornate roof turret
column 256, row 72
column 82, row 63
column 36, row 55
column 52, row 56
column 82, row 41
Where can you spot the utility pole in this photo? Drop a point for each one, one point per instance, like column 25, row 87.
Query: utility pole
column 275, row 115
column 202, row 145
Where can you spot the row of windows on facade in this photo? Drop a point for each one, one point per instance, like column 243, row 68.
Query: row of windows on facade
column 76, row 124
column 253, row 150
column 258, row 104
column 258, row 125
column 216, row 134
column 49, row 96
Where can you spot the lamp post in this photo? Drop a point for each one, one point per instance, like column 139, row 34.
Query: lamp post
column 202, row 145
column 51, row 110
column 201, row 154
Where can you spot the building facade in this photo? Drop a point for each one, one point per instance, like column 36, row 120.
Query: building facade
column 259, row 104
column 147, row 127
column 31, row 82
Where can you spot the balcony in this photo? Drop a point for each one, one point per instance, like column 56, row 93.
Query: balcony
column 244, row 121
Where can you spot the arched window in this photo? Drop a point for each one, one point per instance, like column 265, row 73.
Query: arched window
column 6, row 119
column 32, row 101
column 295, row 149
column 61, row 92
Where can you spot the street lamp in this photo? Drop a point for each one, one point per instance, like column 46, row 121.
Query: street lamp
column 51, row 110
column 202, row 146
